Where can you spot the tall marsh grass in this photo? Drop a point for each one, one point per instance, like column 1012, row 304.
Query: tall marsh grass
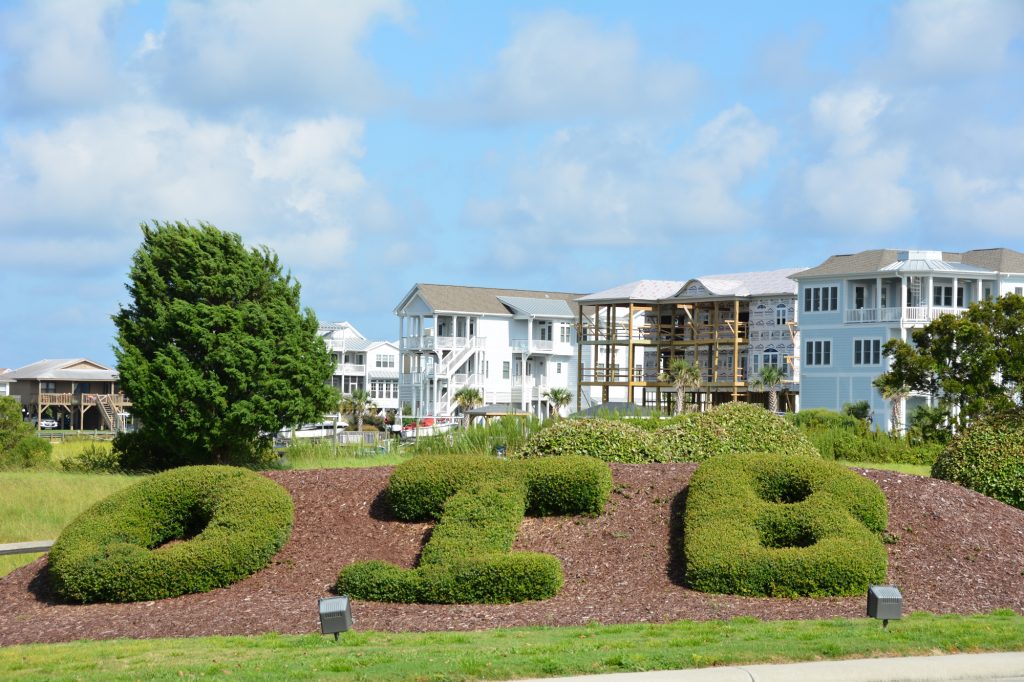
column 36, row 505
column 511, row 432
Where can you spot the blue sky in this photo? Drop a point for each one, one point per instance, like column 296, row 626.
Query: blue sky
column 569, row 146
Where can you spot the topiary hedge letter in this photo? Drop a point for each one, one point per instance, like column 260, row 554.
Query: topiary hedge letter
column 479, row 502
column 778, row 525
column 230, row 522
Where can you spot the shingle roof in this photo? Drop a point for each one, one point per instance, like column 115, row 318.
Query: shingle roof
column 876, row 260
column 73, row 369
column 462, row 299
column 539, row 307
column 647, row 290
column 765, row 283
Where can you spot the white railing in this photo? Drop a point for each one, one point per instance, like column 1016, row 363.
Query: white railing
column 911, row 315
column 350, row 368
column 441, row 342
column 534, row 346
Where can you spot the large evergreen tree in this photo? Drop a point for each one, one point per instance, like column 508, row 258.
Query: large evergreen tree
column 214, row 351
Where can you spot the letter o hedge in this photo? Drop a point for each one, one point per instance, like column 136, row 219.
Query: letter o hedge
column 230, row 523
column 776, row 525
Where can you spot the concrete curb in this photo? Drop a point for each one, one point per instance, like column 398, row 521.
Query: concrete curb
column 988, row 667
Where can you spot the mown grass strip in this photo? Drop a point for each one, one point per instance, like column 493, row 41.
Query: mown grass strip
column 512, row 653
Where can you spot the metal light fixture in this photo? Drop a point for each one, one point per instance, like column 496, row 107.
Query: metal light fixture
column 885, row 603
column 335, row 615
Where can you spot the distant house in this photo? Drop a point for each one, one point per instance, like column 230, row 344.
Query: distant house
column 362, row 364
column 78, row 393
column 5, row 382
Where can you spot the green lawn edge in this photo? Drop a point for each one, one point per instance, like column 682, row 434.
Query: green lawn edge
column 512, row 653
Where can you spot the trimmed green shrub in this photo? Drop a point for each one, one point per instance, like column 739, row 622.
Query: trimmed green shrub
column 28, row 452
column 842, row 436
column 730, row 428
column 186, row 530
column 480, row 503
column 988, row 457
column 776, row 525
column 606, row 439
column 94, row 459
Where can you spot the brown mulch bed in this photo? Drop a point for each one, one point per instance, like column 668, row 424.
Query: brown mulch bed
column 956, row 552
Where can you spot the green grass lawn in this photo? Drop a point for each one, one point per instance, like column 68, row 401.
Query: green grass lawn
column 507, row 654
column 916, row 469
column 36, row 505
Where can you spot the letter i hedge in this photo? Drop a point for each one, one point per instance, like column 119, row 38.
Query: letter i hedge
column 479, row 503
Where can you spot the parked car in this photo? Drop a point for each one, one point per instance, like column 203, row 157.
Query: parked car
column 48, row 424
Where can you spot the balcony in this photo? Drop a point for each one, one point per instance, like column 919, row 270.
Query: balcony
column 350, row 368
column 909, row 315
column 441, row 342
column 540, row 346
column 116, row 399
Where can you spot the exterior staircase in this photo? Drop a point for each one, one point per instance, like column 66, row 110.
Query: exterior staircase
column 111, row 417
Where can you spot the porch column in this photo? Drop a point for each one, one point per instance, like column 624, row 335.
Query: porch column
column 956, row 302
column 929, row 292
column 903, row 299
column 878, row 296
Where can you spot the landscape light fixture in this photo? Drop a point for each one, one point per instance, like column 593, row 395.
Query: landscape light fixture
column 885, row 602
column 335, row 615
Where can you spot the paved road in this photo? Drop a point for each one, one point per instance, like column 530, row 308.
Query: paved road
column 1002, row 667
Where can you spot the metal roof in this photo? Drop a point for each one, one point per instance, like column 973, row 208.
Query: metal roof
column 646, row 290
column 929, row 265
column 743, row 284
column 537, row 307
column 70, row 369
column 444, row 298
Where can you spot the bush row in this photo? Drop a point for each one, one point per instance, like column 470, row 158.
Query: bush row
column 771, row 525
column 988, row 457
column 231, row 522
column 480, row 503
column 843, row 436
column 732, row 427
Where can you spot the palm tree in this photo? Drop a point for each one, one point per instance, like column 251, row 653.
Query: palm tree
column 895, row 393
column 559, row 398
column 358, row 404
column 682, row 374
column 770, row 379
column 467, row 398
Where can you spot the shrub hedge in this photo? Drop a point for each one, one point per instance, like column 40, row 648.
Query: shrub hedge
column 775, row 525
column 480, row 503
column 843, row 436
column 988, row 457
column 29, row 452
column 230, row 521
column 692, row 437
column 611, row 440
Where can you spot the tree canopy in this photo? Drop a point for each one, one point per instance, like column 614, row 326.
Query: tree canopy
column 213, row 350
column 972, row 363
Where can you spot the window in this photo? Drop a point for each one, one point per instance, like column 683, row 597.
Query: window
column 351, row 383
column 817, row 299
column 558, row 368
column 780, row 314
column 885, row 296
column 867, row 352
column 959, row 297
column 544, row 329
column 505, row 367
column 566, row 332
column 1019, row 291
column 943, row 296
column 487, row 369
column 818, row 353
column 48, row 386
column 771, row 358
column 385, row 360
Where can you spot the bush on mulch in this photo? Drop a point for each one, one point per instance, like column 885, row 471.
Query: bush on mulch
column 775, row 525
column 988, row 457
column 186, row 530
column 480, row 503
column 692, row 437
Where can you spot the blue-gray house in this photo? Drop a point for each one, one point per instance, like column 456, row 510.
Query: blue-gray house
column 851, row 304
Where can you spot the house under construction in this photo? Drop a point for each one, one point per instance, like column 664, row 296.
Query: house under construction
column 728, row 325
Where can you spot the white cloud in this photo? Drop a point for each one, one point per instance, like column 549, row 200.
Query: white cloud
column 603, row 187
column 859, row 183
column 957, row 37
column 559, row 64
column 983, row 204
column 98, row 176
column 59, row 53
column 849, row 115
column 862, row 191
column 235, row 53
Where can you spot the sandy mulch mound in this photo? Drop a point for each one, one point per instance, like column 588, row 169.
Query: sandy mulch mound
column 957, row 552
